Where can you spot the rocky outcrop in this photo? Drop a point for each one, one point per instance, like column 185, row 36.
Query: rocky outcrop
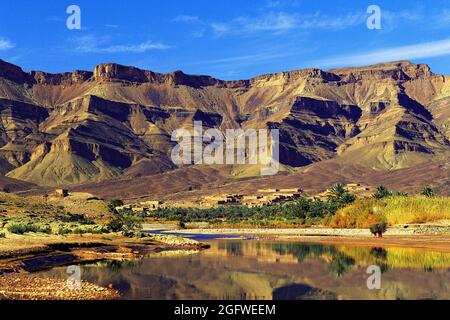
column 111, row 72
column 68, row 78
column 396, row 71
column 13, row 73
column 116, row 72
column 298, row 74
column 314, row 129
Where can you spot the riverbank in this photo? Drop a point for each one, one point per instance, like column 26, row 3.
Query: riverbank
column 22, row 255
column 421, row 229
column 433, row 237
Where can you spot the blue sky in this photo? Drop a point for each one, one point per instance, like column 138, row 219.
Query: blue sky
column 227, row 39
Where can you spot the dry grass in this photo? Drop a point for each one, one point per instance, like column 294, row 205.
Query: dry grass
column 395, row 210
column 12, row 205
column 83, row 203
column 418, row 209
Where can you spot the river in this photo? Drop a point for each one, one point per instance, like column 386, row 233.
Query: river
column 262, row 269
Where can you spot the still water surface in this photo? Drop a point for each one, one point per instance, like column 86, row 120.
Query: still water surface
column 255, row 269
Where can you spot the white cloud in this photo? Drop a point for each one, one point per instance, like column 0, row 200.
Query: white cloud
column 409, row 52
column 275, row 21
column 391, row 20
column 5, row 44
column 246, row 59
column 279, row 22
column 198, row 34
column 276, row 4
column 92, row 44
column 219, row 27
column 273, row 4
column 187, row 19
column 112, row 26
column 135, row 48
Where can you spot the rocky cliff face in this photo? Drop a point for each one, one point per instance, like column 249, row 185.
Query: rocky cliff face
column 79, row 127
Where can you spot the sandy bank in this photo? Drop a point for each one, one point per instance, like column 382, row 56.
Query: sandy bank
column 421, row 236
column 397, row 231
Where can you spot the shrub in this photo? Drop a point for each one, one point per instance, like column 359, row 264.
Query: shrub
column 63, row 231
column 400, row 194
column 47, row 230
column 115, row 225
column 362, row 214
column 131, row 226
column 125, row 222
column 82, row 231
column 378, row 228
column 428, row 192
column 18, row 228
column 79, row 231
column 2, row 235
column 79, row 218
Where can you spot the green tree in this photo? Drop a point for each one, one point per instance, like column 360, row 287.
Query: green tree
column 348, row 198
column 336, row 192
column 125, row 221
column 113, row 204
column 382, row 192
column 115, row 225
column 428, row 192
column 339, row 195
column 379, row 228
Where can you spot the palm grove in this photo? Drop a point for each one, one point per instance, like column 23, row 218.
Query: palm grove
column 341, row 209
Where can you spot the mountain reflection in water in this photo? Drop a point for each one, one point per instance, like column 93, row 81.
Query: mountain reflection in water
column 252, row 269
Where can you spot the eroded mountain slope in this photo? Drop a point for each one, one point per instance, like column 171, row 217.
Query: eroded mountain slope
column 81, row 127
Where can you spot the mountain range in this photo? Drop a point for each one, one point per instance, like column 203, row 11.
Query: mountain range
column 109, row 131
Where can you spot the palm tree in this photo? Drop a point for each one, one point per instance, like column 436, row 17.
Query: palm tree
column 340, row 196
column 336, row 192
column 428, row 192
column 382, row 192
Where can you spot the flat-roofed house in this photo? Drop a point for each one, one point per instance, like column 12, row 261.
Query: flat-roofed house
column 152, row 204
column 62, row 192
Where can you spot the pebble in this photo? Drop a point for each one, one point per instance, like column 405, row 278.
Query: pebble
column 20, row 286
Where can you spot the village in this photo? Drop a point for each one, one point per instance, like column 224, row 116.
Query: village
column 262, row 197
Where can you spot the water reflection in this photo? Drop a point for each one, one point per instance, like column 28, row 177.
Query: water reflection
column 240, row 269
column 301, row 292
column 338, row 262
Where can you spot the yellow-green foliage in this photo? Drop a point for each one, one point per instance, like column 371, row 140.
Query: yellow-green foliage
column 398, row 257
column 418, row 209
column 394, row 210
column 362, row 214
